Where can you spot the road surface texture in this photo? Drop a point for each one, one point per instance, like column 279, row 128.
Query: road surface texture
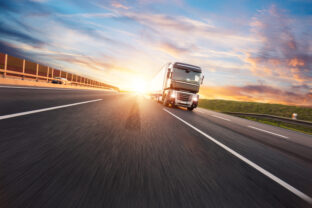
column 82, row 148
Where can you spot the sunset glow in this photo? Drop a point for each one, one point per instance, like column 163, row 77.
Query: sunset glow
column 259, row 50
column 138, row 85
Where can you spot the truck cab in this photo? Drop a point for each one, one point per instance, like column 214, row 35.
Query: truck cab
column 181, row 85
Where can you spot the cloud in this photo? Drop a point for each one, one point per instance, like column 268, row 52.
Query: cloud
column 11, row 50
column 301, row 88
column 24, row 7
column 118, row 5
column 116, row 40
column 12, row 34
column 39, row 1
column 173, row 49
column 184, row 29
column 285, row 51
column 174, row 2
column 166, row 23
column 257, row 93
column 8, row 6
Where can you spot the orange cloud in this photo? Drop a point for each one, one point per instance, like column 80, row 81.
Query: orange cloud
column 257, row 93
column 296, row 62
column 119, row 5
column 282, row 54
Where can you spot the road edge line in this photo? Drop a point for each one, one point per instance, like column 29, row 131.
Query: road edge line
column 269, row 132
column 221, row 118
column 287, row 186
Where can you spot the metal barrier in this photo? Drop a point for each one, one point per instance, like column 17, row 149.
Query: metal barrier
column 276, row 118
column 13, row 66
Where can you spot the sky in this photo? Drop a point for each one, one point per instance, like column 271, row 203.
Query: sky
column 248, row 50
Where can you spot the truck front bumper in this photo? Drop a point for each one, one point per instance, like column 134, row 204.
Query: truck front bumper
column 187, row 104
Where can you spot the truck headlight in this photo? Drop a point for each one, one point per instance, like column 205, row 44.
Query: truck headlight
column 173, row 94
column 195, row 98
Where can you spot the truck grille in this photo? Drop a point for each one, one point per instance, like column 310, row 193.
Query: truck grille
column 184, row 96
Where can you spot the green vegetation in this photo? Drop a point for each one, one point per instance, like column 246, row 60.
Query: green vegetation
column 303, row 129
column 304, row 113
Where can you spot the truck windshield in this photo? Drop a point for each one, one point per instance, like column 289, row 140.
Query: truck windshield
column 186, row 76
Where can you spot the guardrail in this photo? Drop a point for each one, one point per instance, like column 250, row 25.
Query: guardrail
column 13, row 66
column 276, row 118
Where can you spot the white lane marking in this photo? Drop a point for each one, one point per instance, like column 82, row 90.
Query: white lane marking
column 252, row 164
column 200, row 110
column 213, row 115
column 220, row 117
column 285, row 137
column 45, row 109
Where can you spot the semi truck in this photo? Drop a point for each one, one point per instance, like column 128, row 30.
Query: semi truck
column 177, row 84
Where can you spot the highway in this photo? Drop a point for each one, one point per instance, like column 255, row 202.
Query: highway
column 89, row 148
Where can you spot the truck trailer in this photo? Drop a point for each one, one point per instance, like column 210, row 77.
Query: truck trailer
column 177, row 84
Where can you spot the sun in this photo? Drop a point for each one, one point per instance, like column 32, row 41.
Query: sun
column 139, row 85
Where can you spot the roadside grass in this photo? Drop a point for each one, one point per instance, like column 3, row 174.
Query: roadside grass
column 281, row 124
column 304, row 113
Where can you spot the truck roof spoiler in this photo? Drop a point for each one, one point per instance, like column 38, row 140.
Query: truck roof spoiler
column 180, row 65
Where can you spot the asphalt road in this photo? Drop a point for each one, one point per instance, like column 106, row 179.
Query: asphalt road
column 122, row 150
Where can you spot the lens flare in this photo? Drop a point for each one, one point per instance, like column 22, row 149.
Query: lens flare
column 139, row 85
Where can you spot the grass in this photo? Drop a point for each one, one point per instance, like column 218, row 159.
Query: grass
column 281, row 124
column 304, row 113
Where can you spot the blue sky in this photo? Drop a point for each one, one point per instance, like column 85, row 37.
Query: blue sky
column 249, row 50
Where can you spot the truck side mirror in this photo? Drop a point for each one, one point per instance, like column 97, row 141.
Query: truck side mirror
column 202, row 80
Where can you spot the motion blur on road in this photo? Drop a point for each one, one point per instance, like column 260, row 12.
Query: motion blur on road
column 94, row 148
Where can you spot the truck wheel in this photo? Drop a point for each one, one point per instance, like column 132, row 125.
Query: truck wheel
column 190, row 108
column 165, row 102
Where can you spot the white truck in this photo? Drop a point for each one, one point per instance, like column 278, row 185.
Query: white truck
column 177, row 84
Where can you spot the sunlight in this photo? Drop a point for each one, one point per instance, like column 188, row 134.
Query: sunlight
column 139, row 85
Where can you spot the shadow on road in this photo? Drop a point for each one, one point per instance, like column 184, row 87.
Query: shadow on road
column 133, row 121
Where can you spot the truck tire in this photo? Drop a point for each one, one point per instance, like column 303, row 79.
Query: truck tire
column 165, row 102
column 190, row 108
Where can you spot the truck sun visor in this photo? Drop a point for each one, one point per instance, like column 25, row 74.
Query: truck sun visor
column 179, row 65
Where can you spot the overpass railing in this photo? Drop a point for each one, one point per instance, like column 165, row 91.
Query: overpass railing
column 13, row 66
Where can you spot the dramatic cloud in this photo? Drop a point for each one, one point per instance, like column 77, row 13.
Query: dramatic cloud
column 184, row 29
column 257, row 93
column 20, row 36
column 285, row 52
column 10, row 49
column 117, row 41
